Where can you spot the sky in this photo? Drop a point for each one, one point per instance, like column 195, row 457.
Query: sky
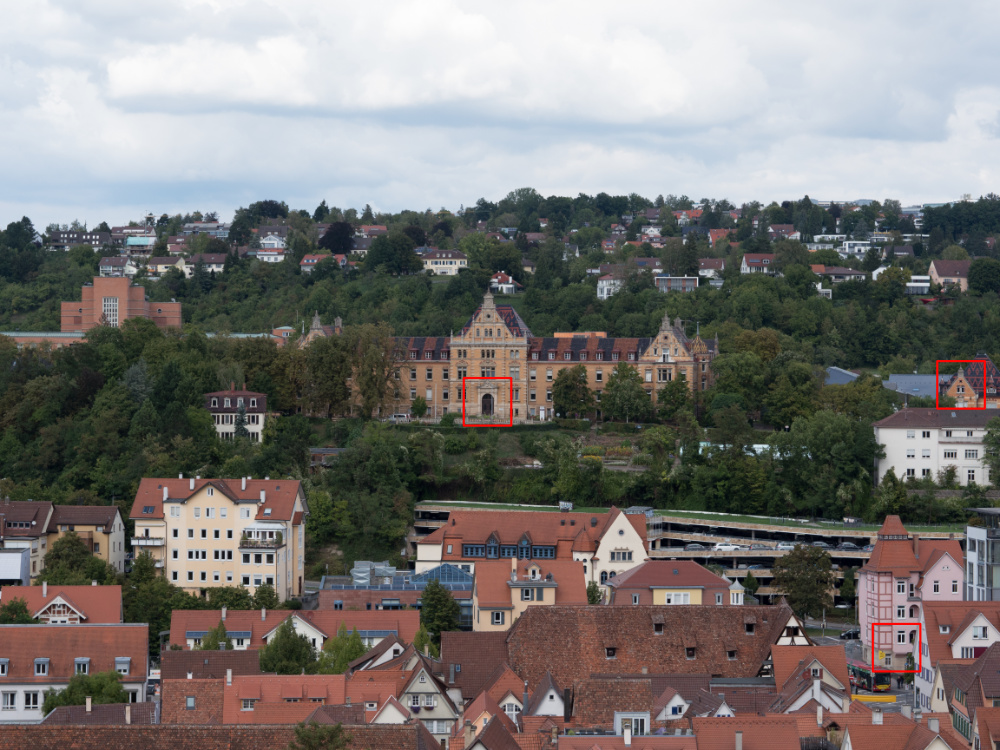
column 110, row 109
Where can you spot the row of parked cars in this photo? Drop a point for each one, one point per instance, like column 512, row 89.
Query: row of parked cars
column 780, row 546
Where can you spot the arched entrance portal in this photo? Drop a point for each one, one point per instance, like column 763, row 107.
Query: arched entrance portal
column 487, row 405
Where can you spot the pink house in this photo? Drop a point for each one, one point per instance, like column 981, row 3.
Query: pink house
column 902, row 573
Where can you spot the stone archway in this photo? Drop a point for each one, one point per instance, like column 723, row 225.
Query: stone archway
column 487, row 410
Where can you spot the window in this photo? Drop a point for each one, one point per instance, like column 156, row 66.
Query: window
column 900, row 613
column 954, row 587
column 972, row 454
column 31, row 699
column 900, row 587
column 900, row 636
column 81, row 666
column 979, row 632
column 951, row 454
column 947, row 433
column 599, row 376
column 244, row 513
column 189, row 703
column 497, row 618
column 610, row 652
column 972, row 476
column 527, row 595
column 3, row 667
column 911, row 453
column 731, row 654
column 937, row 587
column 9, row 702
column 552, row 355
column 749, row 628
column 123, row 664
column 910, row 434
column 41, row 667
column 110, row 310
column 690, row 652
column 925, row 434
column 911, row 472
column 248, row 704
column 635, row 598
column 175, row 512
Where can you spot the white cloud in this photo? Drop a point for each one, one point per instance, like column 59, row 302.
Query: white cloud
column 110, row 105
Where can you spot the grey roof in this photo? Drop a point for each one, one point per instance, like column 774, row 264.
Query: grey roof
column 838, row 376
column 914, row 385
column 917, row 418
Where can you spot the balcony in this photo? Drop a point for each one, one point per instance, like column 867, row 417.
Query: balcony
column 269, row 544
column 148, row 541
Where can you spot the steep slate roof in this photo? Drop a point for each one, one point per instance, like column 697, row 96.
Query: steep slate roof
column 107, row 713
column 63, row 644
column 182, row 621
column 82, row 515
column 279, row 496
column 894, row 551
column 979, row 374
column 572, row 641
column 97, row 604
column 175, row 665
column 437, row 346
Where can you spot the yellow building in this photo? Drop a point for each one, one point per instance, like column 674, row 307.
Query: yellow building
column 514, row 370
column 99, row 526
column 223, row 532
column 503, row 590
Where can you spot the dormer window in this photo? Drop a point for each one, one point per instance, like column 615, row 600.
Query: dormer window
column 225, row 403
column 657, row 628
column 749, row 628
column 253, row 403
column 215, row 402
column 731, row 654
column 816, row 672
column 239, row 402
column 609, row 652
column 690, row 652
column 552, row 355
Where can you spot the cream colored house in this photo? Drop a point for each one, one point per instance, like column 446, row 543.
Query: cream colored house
column 445, row 262
column 223, row 532
column 99, row 526
column 503, row 590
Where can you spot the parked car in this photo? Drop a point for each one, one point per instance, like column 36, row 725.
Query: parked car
column 726, row 547
column 785, row 546
column 848, row 547
column 868, row 548
column 851, row 634
column 694, row 546
column 822, row 545
column 760, row 546
column 756, row 567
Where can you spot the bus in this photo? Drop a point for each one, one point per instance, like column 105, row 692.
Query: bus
column 862, row 677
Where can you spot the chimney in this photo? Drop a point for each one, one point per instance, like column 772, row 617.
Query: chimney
column 555, row 735
column 907, row 711
column 244, row 483
column 470, row 733
column 166, row 493
column 128, row 713
column 451, row 674
column 88, row 699
column 567, row 704
column 223, row 614
column 222, row 646
column 916, row 546
column 181, row 475
column 93, row 583
column 263, row 496
column 877, row 716
column 627, row 736
column 45, row 589
column 191, row 484
column 524, row 698
column 645, row 670
column 263, row 614
column 819, row 715
column 427, row 649
column 933, row 725
column 229, row 677
column 738, row 741
column 190, row 675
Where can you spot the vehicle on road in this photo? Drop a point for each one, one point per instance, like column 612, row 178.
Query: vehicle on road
column 851, row 634
column 785, row 546
column 862, row 677
column 694, row 546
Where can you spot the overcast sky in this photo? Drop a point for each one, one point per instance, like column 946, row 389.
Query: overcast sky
column 111, row 108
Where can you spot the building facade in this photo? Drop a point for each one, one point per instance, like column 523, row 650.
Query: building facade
column 111, row 301
column 982, row 557
column 975, row 385
column 504, row 589
column 903, row 573
column 100, row 527
column 926, row 442
column 226, row 407
column 205, row 533
column 445, row 262
column 511, row 371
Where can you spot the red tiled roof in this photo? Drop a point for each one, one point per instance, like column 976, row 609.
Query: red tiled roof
column 202, row 665
column 572, row 642
column 280, row 495
column 63, row 644
column 757, row 259
column 651, row 742
column 475, row 655
column 790, row 659
column 376, row 685
column 274, row 692
column 502, row 682
column 713, row 263
column 404, row 622
column 668, row 574
column 97, row 604
column 493, row 579
column 759, row 732
column 952, row 615
column 107, row 714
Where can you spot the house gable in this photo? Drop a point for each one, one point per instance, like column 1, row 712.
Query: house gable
column 60, row 610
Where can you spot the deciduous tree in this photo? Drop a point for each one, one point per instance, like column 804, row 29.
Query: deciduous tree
column 288, row 652
column 440, row 611
column 805, row 577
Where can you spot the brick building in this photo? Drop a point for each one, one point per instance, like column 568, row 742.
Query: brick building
column 111, row 301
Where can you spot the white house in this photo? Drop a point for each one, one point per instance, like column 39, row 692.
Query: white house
column 758, row 263
column 607, row 285
column 953, row 630
column 925, row 442
column 445, row 262
column 36, row 658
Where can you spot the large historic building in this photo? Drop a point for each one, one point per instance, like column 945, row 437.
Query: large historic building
column 111, row 301
column 975, row 384
column 512, row 371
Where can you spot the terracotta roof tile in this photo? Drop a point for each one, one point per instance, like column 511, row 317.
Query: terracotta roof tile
column 759, row 732
column 108, row 714
column 788, row 660
column 97, row 604
column 572, row 641
column 668, row 574
column 273, row 693
column 595, row 702
column 63, row 644
column 951, row 615
column 176, row 665
column 493, row 580
column 280, row 495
